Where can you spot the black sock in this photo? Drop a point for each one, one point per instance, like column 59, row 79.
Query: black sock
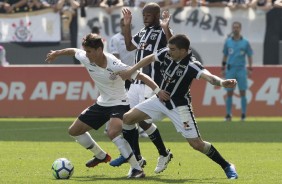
column 216, row 157
column 132, row 137
column 158, row 142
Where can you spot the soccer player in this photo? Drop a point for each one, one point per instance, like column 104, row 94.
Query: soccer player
column 178, row 67
column 235, row 50
column 152, row 37
column 111, row 104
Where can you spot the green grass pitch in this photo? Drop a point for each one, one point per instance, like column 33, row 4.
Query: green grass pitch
column 28, row 148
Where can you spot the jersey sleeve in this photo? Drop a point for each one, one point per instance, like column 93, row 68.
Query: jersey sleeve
column 160, row 54
column 225, row 48
column 196, row 68
column 80, row 55
column 136, row 39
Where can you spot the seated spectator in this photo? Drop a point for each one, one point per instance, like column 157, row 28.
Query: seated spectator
column 13, row 6
column 37, row 4
column 92, row 3
column 216, row 3
column 141, row 3
column 68, row 9
column 238, row 4
column 3, row 61
column 168, row 4
column 129, row 3
column 264, row 5
column 110, row 5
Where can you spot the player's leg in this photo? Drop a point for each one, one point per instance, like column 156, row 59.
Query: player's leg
column 91, row 118
column 230, row 74
column 130, row 132
column 165, row 155
column 184, row 121
column 151, row 108
column 242, row 80
column 115, row 124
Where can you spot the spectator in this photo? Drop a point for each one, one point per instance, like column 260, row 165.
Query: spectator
column 263, row 5
column 13, row 6
column 238, row 4
column 110, row 5
column 216, row 3
column 141, row 3
column 92, row 3
column 3, row 61
column 278, row 3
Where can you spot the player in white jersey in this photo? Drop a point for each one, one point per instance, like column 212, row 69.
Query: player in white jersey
column 111, row 104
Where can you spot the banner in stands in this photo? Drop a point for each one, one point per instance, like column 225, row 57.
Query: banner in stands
column 207, row 28
column 65, row 91
column 37, row 26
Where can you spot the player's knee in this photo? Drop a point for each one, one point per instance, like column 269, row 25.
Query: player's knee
column 126, row 118
column 197, row 145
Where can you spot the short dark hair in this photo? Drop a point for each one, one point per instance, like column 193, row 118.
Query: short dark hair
column 181, row 41
column 236, row 22
column 152, row 8
column 93, row 41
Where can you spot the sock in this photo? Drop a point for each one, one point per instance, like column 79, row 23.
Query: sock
column 243, row 104
column 228, row 104
column 131, row 135
column 216, row 157
column 156, row 138
column 87, row 142
column 126, row 151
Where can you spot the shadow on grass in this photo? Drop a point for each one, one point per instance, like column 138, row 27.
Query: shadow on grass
column 147, row 179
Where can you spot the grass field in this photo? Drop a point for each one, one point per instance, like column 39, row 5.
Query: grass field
column 28, row 148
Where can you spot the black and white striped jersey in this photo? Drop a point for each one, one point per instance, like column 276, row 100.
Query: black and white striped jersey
column 147, row 41
column 177, row 77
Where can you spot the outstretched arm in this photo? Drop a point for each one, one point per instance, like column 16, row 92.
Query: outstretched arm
column 217, row 81
column 53, row 54
column 126, row 74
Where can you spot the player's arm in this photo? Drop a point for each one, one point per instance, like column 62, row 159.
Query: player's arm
column 163, row 95
column 127, row 17
column 53, row 54
column 165, row 24
column 127, row 74
column 217, row 81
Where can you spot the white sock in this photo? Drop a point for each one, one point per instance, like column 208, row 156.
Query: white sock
column 87, row 142
column 126, row 151
column 151, row 130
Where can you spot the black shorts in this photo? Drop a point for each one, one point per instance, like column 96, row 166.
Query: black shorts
column 96, row 115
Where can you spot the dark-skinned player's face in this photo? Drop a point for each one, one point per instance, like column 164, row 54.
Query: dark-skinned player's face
column 150, row 19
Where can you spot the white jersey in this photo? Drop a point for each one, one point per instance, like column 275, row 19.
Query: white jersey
column 117, row 46
column 109, row 84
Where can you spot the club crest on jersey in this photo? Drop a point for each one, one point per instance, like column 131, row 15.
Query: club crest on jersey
column 113, row 76
column 153, row 36
column 179, row 72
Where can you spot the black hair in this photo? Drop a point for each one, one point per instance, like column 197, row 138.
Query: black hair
column 181, row 41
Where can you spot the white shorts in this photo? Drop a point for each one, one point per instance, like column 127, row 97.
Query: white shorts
column 182, row 117
column 138, row 93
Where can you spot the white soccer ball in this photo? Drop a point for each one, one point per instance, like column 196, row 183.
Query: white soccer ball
column 62, row 168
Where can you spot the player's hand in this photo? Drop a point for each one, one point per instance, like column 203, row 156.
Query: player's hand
column 125, row 74
column 163, row 95
column 165, row 18
column 50, row 56
column 229, row 83
column 127, row 17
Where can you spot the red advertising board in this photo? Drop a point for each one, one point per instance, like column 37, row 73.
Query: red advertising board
column 64, row 91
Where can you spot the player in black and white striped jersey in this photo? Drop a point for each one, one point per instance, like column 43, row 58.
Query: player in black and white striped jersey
column 149, row 39
column 179, row 68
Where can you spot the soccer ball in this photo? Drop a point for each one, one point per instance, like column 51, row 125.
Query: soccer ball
column 62, row 168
